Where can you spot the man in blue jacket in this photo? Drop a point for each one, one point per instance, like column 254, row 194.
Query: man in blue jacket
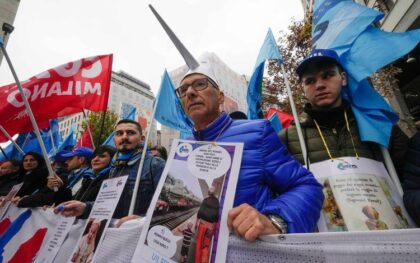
column 274, row 194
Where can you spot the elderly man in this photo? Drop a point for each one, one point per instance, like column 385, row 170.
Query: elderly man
column 129, row 142
column 274, row 194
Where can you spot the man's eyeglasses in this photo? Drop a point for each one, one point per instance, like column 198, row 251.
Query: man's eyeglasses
column 197, row 85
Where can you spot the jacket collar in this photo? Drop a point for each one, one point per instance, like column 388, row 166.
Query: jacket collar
column 211, row 132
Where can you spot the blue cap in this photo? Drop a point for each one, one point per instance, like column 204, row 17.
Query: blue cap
column 79, row 151
column 317, row 55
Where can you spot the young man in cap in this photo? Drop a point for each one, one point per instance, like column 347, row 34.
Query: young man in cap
column 327, row 116
column 274, row 194
column 78, row 166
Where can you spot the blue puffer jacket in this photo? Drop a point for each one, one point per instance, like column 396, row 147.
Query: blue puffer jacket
column 269, row 179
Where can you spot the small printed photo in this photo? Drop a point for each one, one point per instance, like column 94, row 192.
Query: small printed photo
column 87, row 245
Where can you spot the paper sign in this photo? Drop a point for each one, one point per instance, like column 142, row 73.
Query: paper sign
column 99, row 219
column 5, row 203
column 187, row 218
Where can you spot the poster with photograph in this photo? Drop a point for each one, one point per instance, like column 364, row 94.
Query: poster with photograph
column 187, row 219
column 98, row 220
column 359, row 196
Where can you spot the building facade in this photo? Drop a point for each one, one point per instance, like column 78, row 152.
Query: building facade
column 124, row 90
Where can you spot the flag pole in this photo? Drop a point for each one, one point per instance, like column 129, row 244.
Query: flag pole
column 295, row 116
column 29, row 110
column 391, row 169
column 143, row 155
column 88, row 128
column 4, row 153
column 102, row 128
column 11, row 139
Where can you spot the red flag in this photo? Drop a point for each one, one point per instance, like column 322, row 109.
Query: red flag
column 285, row 118
column 61, row 91
column 85, row 140
column 143, row 123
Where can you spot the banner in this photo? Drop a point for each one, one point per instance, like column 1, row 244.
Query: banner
column 57, row 92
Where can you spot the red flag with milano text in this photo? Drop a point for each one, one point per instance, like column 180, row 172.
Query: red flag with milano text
column 57, row 92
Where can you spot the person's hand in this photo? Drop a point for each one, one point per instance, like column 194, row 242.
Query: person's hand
column 70, row 208
column 54, row 182
column 15, row 200
column 124, row 219
column 246, row 222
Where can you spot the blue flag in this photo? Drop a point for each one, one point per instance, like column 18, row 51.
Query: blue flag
column 69, row 141
column 275, row 122
column 169, row 111
column 269, row 50
column 28, row 142
column 345, row 27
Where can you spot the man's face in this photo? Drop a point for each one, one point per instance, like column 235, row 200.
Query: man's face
column 74, row 163
column 323, row 87
column 7, row 168
column 127, row 137
column 201, row 106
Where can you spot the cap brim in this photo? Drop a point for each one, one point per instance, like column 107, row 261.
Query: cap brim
column 68, row 155
column 306, row 63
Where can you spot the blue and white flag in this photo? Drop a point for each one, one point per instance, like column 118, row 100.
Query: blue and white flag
column 269, row 50
column 169, row 111
column 346, row 27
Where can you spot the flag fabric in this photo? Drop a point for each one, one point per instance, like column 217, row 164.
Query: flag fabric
column 24, row 237
column 85, row 140
column 169, row 111
column 127, row 111
column 337, row 23
column 69, row 141
column 28, row 142
column 285, row 118
column 64, row 90
column 275, row 123
column 346, row 27
column 269, row 50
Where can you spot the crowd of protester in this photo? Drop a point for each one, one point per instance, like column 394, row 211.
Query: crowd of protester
column 275, row 193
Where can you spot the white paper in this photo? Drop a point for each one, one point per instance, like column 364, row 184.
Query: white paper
column 359, row 196
column 50, row 248
column 194, row 196
column 5, row 203
column 98, row 220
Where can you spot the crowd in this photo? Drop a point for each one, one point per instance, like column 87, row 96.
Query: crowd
column 274, row 194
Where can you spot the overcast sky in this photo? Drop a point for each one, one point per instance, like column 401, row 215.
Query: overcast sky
column 49, row 33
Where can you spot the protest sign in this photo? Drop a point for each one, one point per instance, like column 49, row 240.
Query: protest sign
column 359, row 196
column 187, row 217
column 98, row 220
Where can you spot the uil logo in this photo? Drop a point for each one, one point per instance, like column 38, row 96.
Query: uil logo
column 345, row 165
column 184, row 149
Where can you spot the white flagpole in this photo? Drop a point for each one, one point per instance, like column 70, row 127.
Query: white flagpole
column 11, row 139
column 295, row 116
column 143, row 155
column 391, row 169
column 29, row 110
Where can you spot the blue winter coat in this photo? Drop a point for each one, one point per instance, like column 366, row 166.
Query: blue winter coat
column 270, row 179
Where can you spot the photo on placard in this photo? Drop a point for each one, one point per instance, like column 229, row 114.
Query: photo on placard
column 330, row 211
column 86, row 248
